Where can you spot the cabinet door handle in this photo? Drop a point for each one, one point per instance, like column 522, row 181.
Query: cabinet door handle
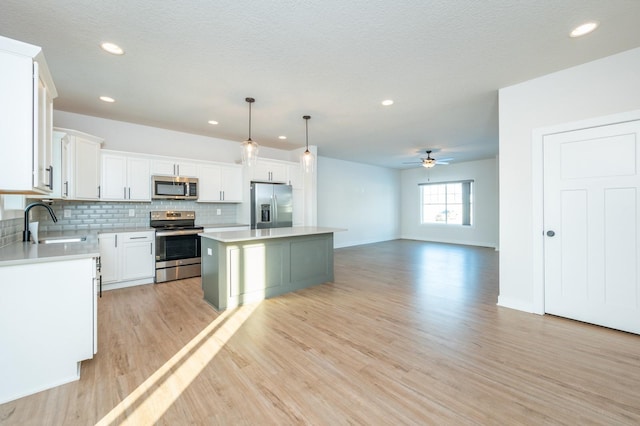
column 151, row 249
column 222, row 195
column 50, row 170
column 116, row 240
column 66, row 188
column 100, row 285
column 98, row 191
column 129, row 192
column 125, row 193
column 137, row 238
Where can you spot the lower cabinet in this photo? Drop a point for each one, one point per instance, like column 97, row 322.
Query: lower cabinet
column 48, row 324
column 128, row 258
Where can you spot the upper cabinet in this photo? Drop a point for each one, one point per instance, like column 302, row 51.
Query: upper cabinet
column 269, row 171
column 26, row 107
column 125, row 177
column 170, row 167
column 79, row 164
column 220, row 183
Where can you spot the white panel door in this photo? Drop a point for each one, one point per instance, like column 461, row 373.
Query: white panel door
column 591, row 217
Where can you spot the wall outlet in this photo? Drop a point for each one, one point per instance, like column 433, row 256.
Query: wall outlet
column 132, row 212
column 67, row 213
column 218, row 212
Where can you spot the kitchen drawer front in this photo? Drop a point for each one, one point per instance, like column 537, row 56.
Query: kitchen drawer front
column 145, row 236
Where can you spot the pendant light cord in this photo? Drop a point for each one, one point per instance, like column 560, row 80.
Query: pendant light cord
column 250, row 101
column 306, row 123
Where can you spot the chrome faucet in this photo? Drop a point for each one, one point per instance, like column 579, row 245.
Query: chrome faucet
column 26, row 233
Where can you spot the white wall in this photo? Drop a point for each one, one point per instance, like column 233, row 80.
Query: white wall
column 361, row 198
column 604, row 87
column 123, row 136
column 483, row 232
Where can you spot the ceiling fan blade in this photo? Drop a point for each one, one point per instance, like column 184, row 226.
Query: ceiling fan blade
column 412, row 162
column 445, row 159
column 444, row 163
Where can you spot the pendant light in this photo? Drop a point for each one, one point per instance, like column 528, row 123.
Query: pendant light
column 249, row 147
column 307, row 159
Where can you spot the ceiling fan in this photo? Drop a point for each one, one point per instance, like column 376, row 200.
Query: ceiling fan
column 429, row 161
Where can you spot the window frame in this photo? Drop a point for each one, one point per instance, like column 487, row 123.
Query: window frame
column 467, row 202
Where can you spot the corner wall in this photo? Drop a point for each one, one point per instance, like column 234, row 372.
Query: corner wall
column 603, row 87
column 361, row 198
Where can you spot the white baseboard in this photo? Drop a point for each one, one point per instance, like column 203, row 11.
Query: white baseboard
column 507, row 302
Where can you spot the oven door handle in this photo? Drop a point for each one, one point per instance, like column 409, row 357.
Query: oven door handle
column 175, row 233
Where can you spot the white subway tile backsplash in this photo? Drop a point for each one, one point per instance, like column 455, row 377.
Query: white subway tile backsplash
column 107, row 215
column 10, row 231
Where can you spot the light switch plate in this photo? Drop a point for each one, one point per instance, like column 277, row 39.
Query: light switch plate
column 132, row 212
column 209, row 251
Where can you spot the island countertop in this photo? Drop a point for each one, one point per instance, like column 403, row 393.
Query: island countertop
column 263, row 234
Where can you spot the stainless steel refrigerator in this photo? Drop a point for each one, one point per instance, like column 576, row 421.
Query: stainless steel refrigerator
column 271, row 205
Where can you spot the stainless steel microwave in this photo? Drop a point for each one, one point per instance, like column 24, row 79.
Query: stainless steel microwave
column 174, row 188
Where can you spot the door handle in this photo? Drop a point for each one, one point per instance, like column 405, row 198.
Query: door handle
column 550, row 233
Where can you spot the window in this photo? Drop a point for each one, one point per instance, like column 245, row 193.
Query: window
column 447, row 202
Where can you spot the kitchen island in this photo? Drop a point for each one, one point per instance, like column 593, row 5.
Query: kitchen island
column 246, row 266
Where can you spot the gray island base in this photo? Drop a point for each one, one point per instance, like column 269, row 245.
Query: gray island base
column 247, row 266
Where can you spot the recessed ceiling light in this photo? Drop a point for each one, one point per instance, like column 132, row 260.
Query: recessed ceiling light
column 282, row 137
column 583, row 29
column 212, row 122
column 107, row 99
column 112, row 48
column 387, row 102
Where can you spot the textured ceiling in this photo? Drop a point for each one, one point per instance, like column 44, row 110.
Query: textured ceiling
column 441, row 61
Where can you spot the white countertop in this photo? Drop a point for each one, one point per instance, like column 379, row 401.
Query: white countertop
column 263, row 234
column 24, row 253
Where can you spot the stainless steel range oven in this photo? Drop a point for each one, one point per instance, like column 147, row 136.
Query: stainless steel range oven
column 177, row 245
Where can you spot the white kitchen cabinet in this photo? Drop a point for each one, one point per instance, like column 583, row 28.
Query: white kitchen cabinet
column 80, row 165
column 220, row 183
column 87, row 168
column 125, row 177
column 170, row 167
column 48, row 324
column 109, row 259
column 128, row 258
column 26, row 107
column 269, row 171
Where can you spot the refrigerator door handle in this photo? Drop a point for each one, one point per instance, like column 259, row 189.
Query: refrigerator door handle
column 275, row 209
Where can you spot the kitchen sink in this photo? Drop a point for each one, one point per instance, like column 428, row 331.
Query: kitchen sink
column 63, row 240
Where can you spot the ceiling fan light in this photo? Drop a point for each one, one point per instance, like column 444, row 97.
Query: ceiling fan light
column 428, row 163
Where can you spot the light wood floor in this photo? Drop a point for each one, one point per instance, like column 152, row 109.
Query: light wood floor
column 409, row 333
